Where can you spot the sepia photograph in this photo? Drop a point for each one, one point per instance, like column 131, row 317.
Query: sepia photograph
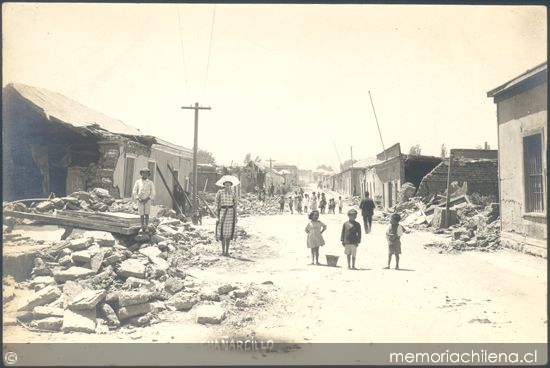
column 269, row 184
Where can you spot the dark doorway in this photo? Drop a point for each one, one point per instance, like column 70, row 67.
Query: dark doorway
column 129, row 176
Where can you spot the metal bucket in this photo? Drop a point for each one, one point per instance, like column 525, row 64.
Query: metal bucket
column 332, row 260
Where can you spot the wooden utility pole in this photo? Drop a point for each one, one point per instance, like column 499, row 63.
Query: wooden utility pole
column 447, row 204
column 195, row 148
column 379, row 133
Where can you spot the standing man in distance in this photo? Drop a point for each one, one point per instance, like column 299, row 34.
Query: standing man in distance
column 367, row 210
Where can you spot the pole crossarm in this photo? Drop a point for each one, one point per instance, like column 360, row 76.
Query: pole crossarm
column 196, row 108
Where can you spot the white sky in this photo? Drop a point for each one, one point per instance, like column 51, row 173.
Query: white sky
column 284, row 81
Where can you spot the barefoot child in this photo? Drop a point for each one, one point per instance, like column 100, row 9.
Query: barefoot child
column 144, row 192
column 351, row 237
column 315, row 230
column 393, row 234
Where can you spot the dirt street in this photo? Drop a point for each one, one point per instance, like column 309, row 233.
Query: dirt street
column 467, row 297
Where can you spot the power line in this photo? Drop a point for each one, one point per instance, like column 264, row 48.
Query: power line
column 210, row 46
column 182, row 52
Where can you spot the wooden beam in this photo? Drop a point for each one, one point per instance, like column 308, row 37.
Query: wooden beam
column 75, row 222
column 179, row 185
column 169, row 191
column 198, row 195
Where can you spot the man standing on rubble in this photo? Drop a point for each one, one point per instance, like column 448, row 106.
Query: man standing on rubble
column 144, row 192
column 367, row 210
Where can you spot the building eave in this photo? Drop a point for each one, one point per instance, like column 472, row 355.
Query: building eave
column 536, row 72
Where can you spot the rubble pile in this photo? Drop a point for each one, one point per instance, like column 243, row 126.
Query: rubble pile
column 97, row 200
column 250, row 205
column 94, row 282
column 473, row 226
column 353, row 201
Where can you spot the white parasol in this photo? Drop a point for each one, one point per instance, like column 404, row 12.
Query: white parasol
column 234, row 180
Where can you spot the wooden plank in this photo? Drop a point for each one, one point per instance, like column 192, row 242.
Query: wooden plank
column 198, row 195
column 171, row 169
column 207, row 206
column 169, row 191
column 104, row 217
column 75, row 222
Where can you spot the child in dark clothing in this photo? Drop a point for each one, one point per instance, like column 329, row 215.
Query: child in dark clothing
column 331, row 206
column 323, row 203
column 282, row 204
column 351, row 237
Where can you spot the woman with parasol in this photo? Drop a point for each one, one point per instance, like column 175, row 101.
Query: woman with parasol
column 226, row 204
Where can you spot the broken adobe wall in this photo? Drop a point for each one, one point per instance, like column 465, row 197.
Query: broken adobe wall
column 98, row 174
column 481, row 176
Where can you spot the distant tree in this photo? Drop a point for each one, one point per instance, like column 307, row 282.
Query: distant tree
column 443, row 151
column 479, row 146
column 415, row 150
column 324, row 167
column 247, row 158
column 347, row 164
column 487, row 146
column 205, row 157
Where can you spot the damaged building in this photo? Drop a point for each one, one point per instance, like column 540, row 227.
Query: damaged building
column 53, row 144
column 522, row 138
column 258, row 174
column 475, row 170
column 351, row 180
column 384, row 179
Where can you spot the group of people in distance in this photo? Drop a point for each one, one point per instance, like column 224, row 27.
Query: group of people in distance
column 302, row 202
column 351, row 233
column 226, row 203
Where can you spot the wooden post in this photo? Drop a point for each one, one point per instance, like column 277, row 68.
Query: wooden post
column 447, row 204
column 195, row 149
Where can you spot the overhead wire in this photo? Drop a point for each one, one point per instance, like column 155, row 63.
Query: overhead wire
column 182, row 49
column 210, row 45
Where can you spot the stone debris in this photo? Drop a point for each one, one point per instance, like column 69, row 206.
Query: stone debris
column 47, row 311
column 88, row 299
column 174, row 285
column 80, row 243
column 42, row 297
column 128, row 298
column 72, row 273
column 210, row 314
column 109, row 313
column 94, row 282
column 225, row 289
column 79, row 321
column 50, row 323
column 131, row 267
column 135, row 310
column 406, row 192
column 42, row 281
column 238, row 293
column 102, row 238
column 182, row 301
column 250, row 205
column 210, row 294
